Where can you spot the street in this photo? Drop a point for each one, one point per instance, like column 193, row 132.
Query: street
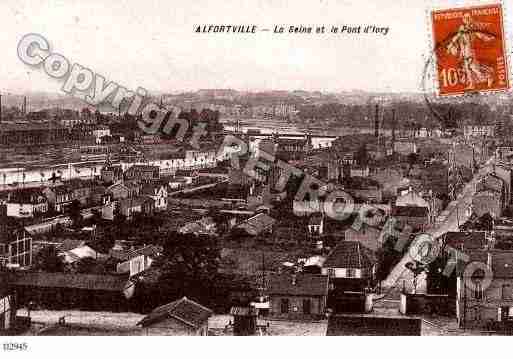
column 400, row 275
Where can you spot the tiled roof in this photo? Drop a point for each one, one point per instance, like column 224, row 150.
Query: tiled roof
column 69, row 244
column 303, row 284
column 67, row 280
column 349, row 254
column 149, row 250
column 135, row 201
column 465, row 240
column 151, row 188
column 184, row 310
column 410, row 211
column 27, row 195
column 257, row 224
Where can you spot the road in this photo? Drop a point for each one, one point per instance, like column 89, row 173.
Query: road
column 400, row 275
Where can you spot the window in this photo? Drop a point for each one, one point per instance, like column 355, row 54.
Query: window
column 350, row 272
column 284, row 305
column 307, row 306
column 506, row 291
column 478, row 291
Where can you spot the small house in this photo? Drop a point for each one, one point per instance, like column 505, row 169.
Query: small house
column 181, row 317
column 298, row 295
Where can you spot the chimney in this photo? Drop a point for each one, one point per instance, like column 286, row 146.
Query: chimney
column 376, row 122
column 393, row 125
column 489, row 259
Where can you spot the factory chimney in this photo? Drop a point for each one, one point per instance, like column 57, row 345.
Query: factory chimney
column 393, row 125
column 376, row 122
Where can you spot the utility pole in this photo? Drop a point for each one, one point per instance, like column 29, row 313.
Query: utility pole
column 458, row 216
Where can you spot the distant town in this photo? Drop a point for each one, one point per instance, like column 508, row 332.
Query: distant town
column 107, row 229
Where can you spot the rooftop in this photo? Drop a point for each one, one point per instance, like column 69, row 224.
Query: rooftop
column 185, row 310
column 68, row 280
column 349, row 254
column 298, row 284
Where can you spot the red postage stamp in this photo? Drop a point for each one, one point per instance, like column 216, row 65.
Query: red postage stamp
column 470, row 50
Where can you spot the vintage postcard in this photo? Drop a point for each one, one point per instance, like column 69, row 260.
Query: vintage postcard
column 268, row 168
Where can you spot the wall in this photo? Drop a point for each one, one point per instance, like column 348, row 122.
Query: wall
column 362, row 325
column 172, row 326
column 479, row 311
column 340, row 273
column 427, row 304
column 317, row 305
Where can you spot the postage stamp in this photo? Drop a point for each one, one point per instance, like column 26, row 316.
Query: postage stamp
column 470, row 50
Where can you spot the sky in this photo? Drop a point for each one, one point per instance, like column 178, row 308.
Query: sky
column 152, row 43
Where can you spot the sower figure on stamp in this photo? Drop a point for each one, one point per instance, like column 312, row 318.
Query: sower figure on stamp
column 461, row 46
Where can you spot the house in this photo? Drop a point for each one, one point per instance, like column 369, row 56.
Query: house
column 59, row 197
column 97, row 195
column 92, row 291
column 491, row 182
column 141, row 204
column 454, row 245
column 316, row 225
column 81, row 190
column 411, row 197
column 111, row 173
column 76, row 254
column 27, row 202
column 486, row 301
column 204, row 225
column 7, row 312
column 478, row 131
column 404, row 147
column 258, row 224
column 364, row 189
column 350, row 266
column 414, row 216
column 465, row 241
column 368, row 236
column 142, row 172
column 244, row 320
column 359, row 171
column 487, row 201
column 100, row 131
column 157, row 192
column 298, row 295
column 292, row 148
column 505, row 172
column 135, row 261
column 119, row 191
column 181, row 317
column 435, row 178
column 15, row 247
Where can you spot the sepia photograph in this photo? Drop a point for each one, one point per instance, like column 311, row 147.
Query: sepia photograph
column 263, row 168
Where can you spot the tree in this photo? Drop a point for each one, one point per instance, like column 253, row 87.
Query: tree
column 362, row 156
column 48, row 260
column 188, row 265
column 74, row 214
